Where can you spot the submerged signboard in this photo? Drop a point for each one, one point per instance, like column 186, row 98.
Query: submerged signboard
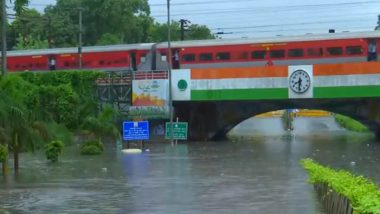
column 136, row 130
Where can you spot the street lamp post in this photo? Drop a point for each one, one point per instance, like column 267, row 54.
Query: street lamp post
column 169, row 60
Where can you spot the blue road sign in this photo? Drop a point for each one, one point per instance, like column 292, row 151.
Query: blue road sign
column 136, row 130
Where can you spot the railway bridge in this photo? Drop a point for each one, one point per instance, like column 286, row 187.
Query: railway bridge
column 214, row 100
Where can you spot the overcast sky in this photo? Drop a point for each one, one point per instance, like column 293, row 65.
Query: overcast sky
column 250, row 18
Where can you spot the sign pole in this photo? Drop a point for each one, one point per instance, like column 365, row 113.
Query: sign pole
column 176, row 140
column 169, row 60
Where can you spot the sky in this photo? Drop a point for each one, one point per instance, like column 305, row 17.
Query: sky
column 261, row 18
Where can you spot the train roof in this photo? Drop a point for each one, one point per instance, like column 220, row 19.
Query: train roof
column 142, row 46
column 277, row 39
column 196, row 43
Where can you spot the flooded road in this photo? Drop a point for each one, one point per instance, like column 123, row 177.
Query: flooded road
column 248, row 176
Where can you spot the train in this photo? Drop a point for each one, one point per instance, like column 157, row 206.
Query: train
column 341, row 47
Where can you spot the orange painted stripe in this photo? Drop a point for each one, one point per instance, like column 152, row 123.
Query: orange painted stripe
column 347, row 69
column 248, row 72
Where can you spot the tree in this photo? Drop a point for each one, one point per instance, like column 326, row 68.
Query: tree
column 21, row 125
column 378, row 23
column 103, row 125
column 126, row 20
column 29, row 42
column 159, row 32
column 109, row 39
column 196, row 32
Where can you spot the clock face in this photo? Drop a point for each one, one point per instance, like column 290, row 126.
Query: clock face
column 299, row 81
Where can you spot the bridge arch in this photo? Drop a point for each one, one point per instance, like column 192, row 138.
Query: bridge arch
column 213, row 119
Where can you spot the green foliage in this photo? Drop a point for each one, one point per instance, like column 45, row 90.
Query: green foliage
column 105, row 22
column 104, row 124
column 67, row 96
column 53, row 150
column 350, row 124
column 196, row 32
column 363, row 194
column 3, row 153
column 109, row 39
column 93, row 147
column 159, row 32
column 29, row 42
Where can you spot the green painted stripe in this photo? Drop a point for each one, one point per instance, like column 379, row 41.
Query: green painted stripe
column 240, row 94
column 347, row 91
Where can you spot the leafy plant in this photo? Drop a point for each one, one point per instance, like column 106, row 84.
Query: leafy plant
column 363, row 194
column 3, row 153
column 350, row 124
column 93, row 147
column 53, row 150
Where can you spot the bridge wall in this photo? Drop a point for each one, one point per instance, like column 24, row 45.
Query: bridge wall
column 350, row 80
column 217, row 99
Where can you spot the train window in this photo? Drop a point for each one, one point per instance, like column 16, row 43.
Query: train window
column 354, row 50
column 188, row 57
column 163, row 57
column 223, row 56
column 142, row 58
column 295, row 52
column 242, row 55
column 101, row 62
column 277, row 53
column 314, row 51
column 258, row 54
column 205, row 56
column 335, row 51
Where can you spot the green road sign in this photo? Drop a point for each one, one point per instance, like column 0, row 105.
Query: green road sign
column 179, row 131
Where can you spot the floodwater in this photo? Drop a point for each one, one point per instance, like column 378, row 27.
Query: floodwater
column 247, row 176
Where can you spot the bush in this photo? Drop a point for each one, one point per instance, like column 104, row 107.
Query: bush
column 350, row 124
column 93, row 147
column 53, row 150
column 3, row 153
column 363, row 194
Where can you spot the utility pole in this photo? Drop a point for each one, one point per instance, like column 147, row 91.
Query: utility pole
column 169, row 60
column 4, row 38
column 80, row 39
column 49, row 32
column 184, row 23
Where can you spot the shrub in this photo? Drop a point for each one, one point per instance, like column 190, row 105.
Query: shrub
column 53, row 150
column 3, row 153
column 363, row 194
column 93, row 147
column 350, row 124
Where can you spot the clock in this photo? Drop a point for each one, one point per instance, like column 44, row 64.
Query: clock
column 299, row 81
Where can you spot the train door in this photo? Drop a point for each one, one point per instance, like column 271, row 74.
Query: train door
column 52, row 63
column 372, row 50
column 175, row 59
column 133, row 61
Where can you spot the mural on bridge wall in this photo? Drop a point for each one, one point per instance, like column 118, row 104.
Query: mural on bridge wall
column 150, row 98
column 350, row 80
